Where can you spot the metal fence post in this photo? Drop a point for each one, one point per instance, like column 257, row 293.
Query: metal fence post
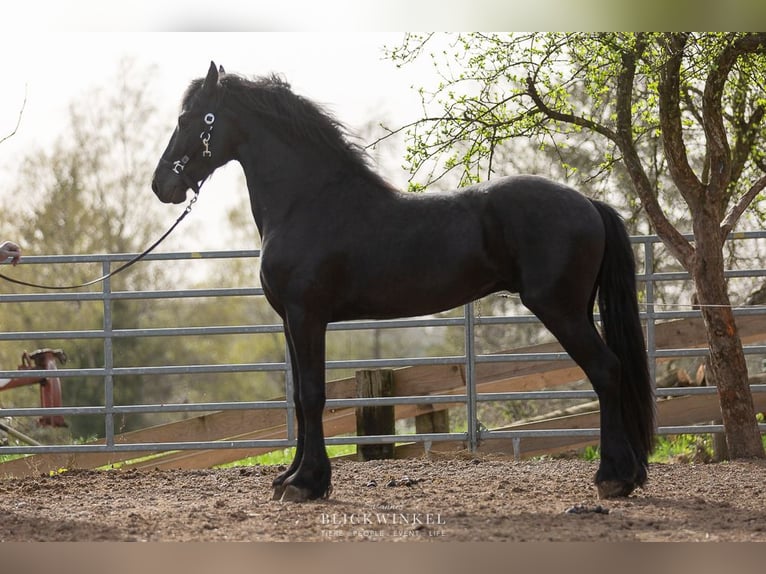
column 289, row 390
column 650, row 311
column 470, row 378
column 108, row 356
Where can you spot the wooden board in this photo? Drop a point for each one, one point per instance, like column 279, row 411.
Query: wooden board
column 677, row 411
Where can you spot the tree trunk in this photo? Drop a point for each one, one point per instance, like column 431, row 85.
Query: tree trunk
column 728, row 368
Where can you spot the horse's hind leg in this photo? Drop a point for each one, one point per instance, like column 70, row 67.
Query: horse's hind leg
column 572, row 324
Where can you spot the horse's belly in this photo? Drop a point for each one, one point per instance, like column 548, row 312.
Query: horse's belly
column 410, row 296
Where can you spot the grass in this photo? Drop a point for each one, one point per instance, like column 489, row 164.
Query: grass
column 673, row 448
column 670, row 448
column 285, row 456
column 683, row 447
column 9, row 457
column 277, row 457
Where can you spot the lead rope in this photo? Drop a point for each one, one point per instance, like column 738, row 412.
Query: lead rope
column 122, row 267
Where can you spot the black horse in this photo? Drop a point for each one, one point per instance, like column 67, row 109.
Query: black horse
column 339, row 243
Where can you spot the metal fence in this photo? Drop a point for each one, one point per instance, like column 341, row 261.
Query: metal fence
column 650, row 279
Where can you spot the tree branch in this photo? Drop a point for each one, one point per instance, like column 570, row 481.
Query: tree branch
column 676, row 243
column 565, row 117
column 718, row 150
column 731, row 219
column 18, row 120
column 747, row 132
column 691, row 107
column 712, row 113
column 689, row 186
column 450, row 118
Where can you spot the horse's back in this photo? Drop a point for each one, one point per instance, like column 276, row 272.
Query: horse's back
column 539, row 210
column 538, row 199
column 549, row 230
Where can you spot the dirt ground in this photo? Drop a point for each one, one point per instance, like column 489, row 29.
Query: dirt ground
column 450, row 499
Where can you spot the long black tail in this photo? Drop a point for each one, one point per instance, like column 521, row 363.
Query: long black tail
column 622, row 331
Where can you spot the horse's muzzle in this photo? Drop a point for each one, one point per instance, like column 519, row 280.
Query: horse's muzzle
column 169, row 193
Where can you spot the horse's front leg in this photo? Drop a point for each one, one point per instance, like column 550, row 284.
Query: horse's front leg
column 278, row 483
column 311, row 475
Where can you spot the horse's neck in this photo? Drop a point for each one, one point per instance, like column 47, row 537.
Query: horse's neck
column 282, row 182
column 277, row 186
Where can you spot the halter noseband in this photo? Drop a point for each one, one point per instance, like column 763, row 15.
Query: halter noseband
column 178, row 165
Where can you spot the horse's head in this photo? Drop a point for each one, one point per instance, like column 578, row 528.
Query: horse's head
column 199, row 144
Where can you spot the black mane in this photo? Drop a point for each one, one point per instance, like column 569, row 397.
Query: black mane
column 295, row 117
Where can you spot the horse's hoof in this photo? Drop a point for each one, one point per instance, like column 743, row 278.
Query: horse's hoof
column 614, row 489
column 279, row 490
column 294, row 494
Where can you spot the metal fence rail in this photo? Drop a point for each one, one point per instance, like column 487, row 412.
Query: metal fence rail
column 651, row 314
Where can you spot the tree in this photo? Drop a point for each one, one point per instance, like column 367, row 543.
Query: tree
column 84, row 195
column 702, row 97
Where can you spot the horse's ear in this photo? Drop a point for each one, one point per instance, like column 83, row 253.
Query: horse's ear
column 211, row 80
column 221, row 70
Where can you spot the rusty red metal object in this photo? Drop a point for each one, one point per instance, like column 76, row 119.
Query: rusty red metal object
column 50, row 387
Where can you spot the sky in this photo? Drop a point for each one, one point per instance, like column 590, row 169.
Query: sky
column 346, row 72
column 53, row 51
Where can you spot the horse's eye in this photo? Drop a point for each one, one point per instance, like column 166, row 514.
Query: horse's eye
column 183, row 120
